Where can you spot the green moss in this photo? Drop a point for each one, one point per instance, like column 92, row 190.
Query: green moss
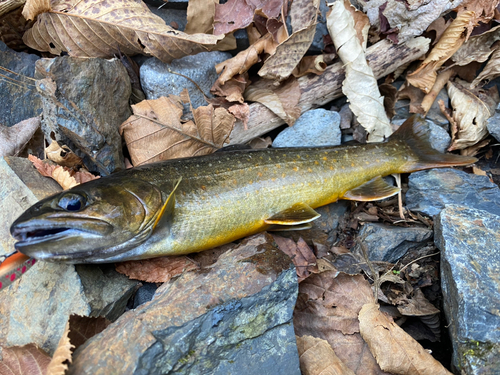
column 185, row 359
column 477, row 350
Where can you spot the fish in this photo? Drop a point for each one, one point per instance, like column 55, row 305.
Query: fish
column 193, row 204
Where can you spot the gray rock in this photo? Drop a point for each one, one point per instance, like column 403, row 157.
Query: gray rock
column 434, row 114
column 431, row 190
column 179, row 16
column 159, row 79
column 439, row 138
column 330, row 217
column 493, row 124
column 469, row 241
column 389, row 243
column 321, row 29
column 317, row 127
column 84, row 103
column 19, row 98
column 234, row 315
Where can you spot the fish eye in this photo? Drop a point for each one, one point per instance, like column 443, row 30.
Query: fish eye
column 71, row 202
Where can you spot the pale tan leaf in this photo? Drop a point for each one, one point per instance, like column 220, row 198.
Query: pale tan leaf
column 477, row 48
column 490, row 71
column 24, row 360
column 310, row 64
column 439, row 25
column 282, row 100
column 14, row 138
column 97, row 28
column 361, row 23
column 33, row 8
column 317, row 357
column 155, row 131
column 62, row 155
column 395, row 350
column 471, row 110
column 156, row 270
column 360, row 86
column 57, row 365
column 484, row 11
column 451, row 40
column 63, row 178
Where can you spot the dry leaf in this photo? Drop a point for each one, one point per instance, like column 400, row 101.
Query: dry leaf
column 317, row 357
column 415, row 96
column 63, row 178
column 418, row 305
column 155, row 131
column 490, row 71
column 389, row 92
column 98, row 28
column 395, row 350
column 310, row 64
column 259, row 142
column 241, row 112
column 439, row 25
column 14, row 138
column 24, row 360
column 483, row 11
column 282, row 100
column 57, row 365
column 63, row 155
column 441, row 80
column 156, row 270
column 477, row 48
column 471, row 110
column 82, row 328
column 360, row 86
column 301, row 254
column 232, row 89
column 451, row 40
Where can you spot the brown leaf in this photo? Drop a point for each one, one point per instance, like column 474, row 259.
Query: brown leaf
column 14, row 138
column 395, row 350
column 282, row 100
column 232, row 89
column 301, row 254
column 63, row 353
column 82, row 328
column 317, row 357
column 418, row 305
column 439, row 25
column 155, row 131
column 477, row 48
column 63, row 178
column 156, row 270
column 484, row 11
column 389, row 92
column 63, row 155
column 24, row 360
column 415, row 95
column 310, row 65
column 261, row 142
column 451, row 40
column 491, row 70
column 441, row 80
column 241, row 112
column 97, row 28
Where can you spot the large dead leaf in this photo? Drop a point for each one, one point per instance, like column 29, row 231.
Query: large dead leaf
column 471, row 110
column 82, row 328
column 97, row 28
column 62, row 355
column 282, row 100
column 157, row 270
column 317, row 357
column 360, row 85
column 490, row 71
column 451, row 40
column 155, row 131
column 24, row 360
column 301, row 254
column 395, row 350
column 477, row 48
column 14, row 138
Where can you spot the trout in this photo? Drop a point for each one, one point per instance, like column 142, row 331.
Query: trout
column 194, row 204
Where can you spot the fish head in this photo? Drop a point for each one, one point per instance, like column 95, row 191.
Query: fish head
column 95, row 220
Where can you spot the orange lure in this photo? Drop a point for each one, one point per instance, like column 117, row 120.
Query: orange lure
column 13, row 267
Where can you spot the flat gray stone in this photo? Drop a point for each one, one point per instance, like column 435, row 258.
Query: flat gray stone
column 432, row 190
column 317, row 127
column 20, row 100
column 469, row 240
column 493, row 124
column 389, row 243
column 159, row 79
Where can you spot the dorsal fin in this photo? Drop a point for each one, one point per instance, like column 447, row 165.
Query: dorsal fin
column 167, row 211
column 373, row 190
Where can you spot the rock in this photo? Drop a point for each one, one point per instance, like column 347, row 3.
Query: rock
column 329, row 219
column 439, row 138
column 469, row 240
column 434, row 114
column 431, row 190
column 84, row 103
column 389, row 243
column 493, row 124
column 144, row 294
column 172, row 17
column 20, row 99
column 234, row 315
column 159, row 79
column 317, row 127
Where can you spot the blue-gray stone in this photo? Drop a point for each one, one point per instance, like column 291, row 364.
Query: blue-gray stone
column 439, row 138
column 434, row 114
column 431, row 190
column 389, row 243
column 317, row 127
column 469, row 240
column 493, row 124
column 18, row 95
column 159, row 79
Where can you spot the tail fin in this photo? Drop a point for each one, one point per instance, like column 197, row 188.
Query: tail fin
column 13, row 267
column 415, row 133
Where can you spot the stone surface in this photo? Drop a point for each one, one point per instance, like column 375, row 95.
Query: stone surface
column 317, row 127
column 329, row 219
column 493, row 124
column 434, row 114
column 431, row 190
column 84, row 103
column 439, row 138
column 19, row 98
column 179, row 16
column 389, row 243
column 469, row 240
column 234, row 315
column 159, row 79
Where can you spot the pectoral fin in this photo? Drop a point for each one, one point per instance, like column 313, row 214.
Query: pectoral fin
column 167, row 211
column 373, row 190
column 298, row 214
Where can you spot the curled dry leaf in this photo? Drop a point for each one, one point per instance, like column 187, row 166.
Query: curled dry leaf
column 232, row 89
column 439, row 25
column 63, row 155
column 360, row 86
column 155, row 131
column 301, row 254
column 490, row 71
column 395, row 350
column 415, row 96
column 14, row 138
column 63, row 353
column 418, row 305
column 156, row 270
column 471, row 110
column 317, row 357
column 477, row 48
column 97, row 28
column 483, row 11
column 451, row 40
column 282, row 100
column 24, row 360
column 310, row 64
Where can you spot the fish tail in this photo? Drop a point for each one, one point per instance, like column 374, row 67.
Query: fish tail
column 415, row 133
column 13, row 267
